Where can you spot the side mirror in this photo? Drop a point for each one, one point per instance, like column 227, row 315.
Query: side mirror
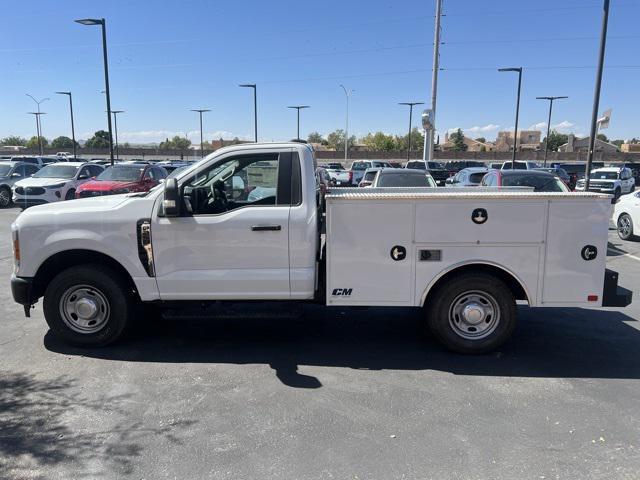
column 16, row 175
column 171, row 202
column 83, row 177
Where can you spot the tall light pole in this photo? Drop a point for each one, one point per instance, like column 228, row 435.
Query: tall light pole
column 200, row 112
column 410, row 105
column 596, row 94
column 515, row 133
column 298, row 108
column 347, row 94
column 38, row 124
column 255, row 107
column 73, row 131
column 37, row 115
column 427, row 153
column 103, row 25
column 115, row 124
column 546, row 142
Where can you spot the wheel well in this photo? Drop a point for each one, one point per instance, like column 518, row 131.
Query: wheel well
column 71, row 258
column 512, row 282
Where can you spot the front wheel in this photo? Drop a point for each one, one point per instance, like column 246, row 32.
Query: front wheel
column 471, row 314
column 625, row 227
column 5, row 197
column 71, row 194
column 87, row 305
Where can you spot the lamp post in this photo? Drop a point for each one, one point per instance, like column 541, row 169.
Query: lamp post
column 37, row 115
column 115, row 125
column 73, row 131
column 410, row 105
column 298, row 108
column 347, row 94
column 515, row 133
column 38, row 124
column 103, row 25
column 546, row 142
column 255, row 107
column 201, row 111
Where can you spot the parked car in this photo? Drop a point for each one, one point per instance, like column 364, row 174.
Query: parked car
column 54, row 183
column 495, row 166
column 560, row 172
column 436, row 169
column 338, row 176
column 402, row 177
column 360, row 166
column 40, row 161
column 519, row 165
column 333, row 166
column 368, row 177
column 539, row 181
column 395, row 164
column 171, row 165
column 454, row 166
column 10, row 173
column 467, row 177
column 626, row 216
column 123, row 178
column 614, row 180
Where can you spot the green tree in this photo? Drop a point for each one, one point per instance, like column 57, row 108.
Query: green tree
column 13, row 140
column 378, row 141
column 62, row 142
column 481, row 140
column 617, row 143
column 315, row 137
column 602, row 136
column 100, row 139
column 176, row 143
column 457, row 138
column 335, row 140
column 556, row 139
column 417, row 140
column 33, row 142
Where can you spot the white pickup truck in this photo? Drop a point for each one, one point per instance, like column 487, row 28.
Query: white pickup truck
column 245, row 223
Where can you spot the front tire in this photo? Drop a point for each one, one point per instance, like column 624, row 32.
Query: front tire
column 5, row 197
column 471, row 314
column 87, row 305
column 71, row 194
column 625, row 227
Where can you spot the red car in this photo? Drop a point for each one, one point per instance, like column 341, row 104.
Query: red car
column 123, row 178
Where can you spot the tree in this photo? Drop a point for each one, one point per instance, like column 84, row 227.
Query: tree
column 100, row 139
column 315, row 137
column 481, row 140
column 62, row 142
column 378, row 141
column 457, row 138
column 13, row 140
column 176, row 143
column 33, row 142
column 555, row 140
column 335, row 140
column 602, row 136
column 417, row 140
column 617, row 143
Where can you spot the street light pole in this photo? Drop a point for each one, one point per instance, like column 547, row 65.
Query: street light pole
column 102, row 22
column 115, row 124
column 347, row 94
column 38, row 124
column 546, row 142
column 410, row 105
column 200, row 112
column 596, row 95
column 255, row 107
column 515, row 133
column 427, row 153
column 37, row 115
column 298, row 108
column 73, row 131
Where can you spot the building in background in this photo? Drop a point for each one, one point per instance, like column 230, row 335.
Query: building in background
column 581, row 145
column 630, row 147
column 527, row 140
column 472, row 145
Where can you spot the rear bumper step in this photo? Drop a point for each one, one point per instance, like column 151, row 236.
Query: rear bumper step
column 613, row 295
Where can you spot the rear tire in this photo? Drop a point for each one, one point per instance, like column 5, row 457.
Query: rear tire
column 88, row 305
column 625, row 227
column 71, row 194
column 471, row 314
column 5, row 197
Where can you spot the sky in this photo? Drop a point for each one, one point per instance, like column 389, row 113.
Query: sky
column 167, row 57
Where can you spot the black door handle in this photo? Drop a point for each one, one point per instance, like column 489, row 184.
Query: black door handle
column 266, row 228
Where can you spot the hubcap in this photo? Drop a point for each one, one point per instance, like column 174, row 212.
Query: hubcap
column 84, row 309
column 4, row 198
column 474, row 315
column 624, row 225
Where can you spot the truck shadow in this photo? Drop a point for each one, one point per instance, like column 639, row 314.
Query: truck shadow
column 552, row 342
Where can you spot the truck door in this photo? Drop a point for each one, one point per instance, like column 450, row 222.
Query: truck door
column 233, row 243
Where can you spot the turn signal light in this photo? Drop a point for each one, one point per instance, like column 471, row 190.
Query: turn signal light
column 592, row 298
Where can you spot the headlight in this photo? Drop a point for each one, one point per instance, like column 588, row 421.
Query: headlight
column 57, row 185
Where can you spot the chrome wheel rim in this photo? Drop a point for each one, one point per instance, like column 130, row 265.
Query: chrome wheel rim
column 474, row 315
column 5, row 198
column 624, row 226
column 84, row 309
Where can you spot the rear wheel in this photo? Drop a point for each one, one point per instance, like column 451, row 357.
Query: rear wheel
column 625, row 227
column 71, row 194
column 5, row 197
column 87, row 305
column 474, row 313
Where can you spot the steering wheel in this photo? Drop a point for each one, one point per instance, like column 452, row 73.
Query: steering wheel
column 218, row 198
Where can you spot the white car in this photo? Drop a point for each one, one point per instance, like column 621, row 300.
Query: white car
column 626, row 216
column 520, row 165
column 54, row 183
column 613, row 180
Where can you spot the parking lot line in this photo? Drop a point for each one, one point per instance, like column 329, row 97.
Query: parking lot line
column 623, row 253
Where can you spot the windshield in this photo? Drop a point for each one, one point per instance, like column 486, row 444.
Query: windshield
column 519, row 166
column 57, row 171
column 122, row 173
column 417, row 165
column 540, row 183
column 369, row 176
column 403, row 180
column 4, row 170
column 434, row 165
column 360, row 165
column 476, row 177
column 604, row 175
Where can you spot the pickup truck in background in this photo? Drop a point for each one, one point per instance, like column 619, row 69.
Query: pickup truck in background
column 338, row 175
column 243, row 227
column 360, row 166
column 436, row 169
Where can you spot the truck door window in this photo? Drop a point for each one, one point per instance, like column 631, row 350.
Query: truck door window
column 237, row 182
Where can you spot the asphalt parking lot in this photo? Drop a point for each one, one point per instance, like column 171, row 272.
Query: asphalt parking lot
column 344, row 394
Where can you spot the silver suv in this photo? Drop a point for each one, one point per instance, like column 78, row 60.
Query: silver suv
column 10, row 173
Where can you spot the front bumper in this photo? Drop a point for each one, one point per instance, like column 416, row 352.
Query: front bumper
column 32, row 200
column 613, row 295
column 22, row 290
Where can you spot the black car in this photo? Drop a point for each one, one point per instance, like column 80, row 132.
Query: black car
column 454, row 166
column 560, row 172
column 436, row 169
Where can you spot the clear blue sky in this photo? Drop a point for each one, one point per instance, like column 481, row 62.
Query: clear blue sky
column 167, row 57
